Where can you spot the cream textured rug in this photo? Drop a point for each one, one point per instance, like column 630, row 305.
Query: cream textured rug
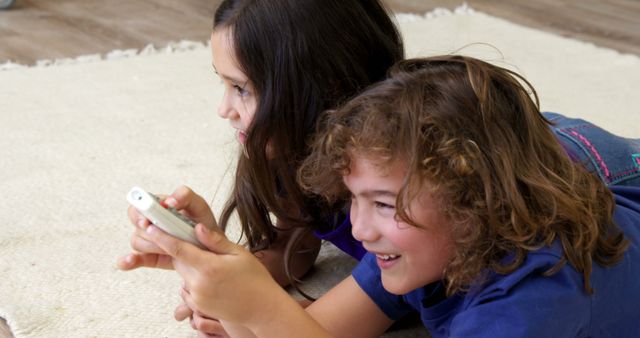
column 77, row 134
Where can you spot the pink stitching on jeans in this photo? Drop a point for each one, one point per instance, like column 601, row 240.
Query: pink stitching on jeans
column 593, row 151
column 625, row 173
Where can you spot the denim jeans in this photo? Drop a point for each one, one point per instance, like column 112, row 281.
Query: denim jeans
column 615, row 159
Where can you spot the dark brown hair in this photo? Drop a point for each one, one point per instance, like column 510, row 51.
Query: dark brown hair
column 302, row 57
column 473, row 132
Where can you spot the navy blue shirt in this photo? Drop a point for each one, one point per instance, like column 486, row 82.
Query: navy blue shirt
column 525, row 303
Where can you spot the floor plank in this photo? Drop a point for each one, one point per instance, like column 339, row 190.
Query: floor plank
column 42, row 29
column 612, row 23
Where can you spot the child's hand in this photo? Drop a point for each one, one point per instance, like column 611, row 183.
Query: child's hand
column 147, row 254
column 222, row 283
column 206, row 327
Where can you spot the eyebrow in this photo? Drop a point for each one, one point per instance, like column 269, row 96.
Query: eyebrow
column 230, row 78
column 377, row 193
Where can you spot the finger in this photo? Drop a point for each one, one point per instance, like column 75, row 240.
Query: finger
column 140, row 243
column 215, row 240
column 176, row 248
column 182, row 312
column 183, row 198
column 204, row 335
column 137, row 218
column 207, row 335
column 147, row 260
column 193, row 324
column 188, row 301
column 208, row 325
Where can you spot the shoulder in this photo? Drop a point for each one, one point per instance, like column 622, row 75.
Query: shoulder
column 529, row 276
column 529, row 281
column 525, row 303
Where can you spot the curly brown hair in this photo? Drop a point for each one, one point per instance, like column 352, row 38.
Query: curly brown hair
column 474, row 132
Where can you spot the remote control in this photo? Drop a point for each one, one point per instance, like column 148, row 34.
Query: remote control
column 167, row 219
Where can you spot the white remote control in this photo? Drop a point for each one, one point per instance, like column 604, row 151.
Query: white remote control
column 167, row 219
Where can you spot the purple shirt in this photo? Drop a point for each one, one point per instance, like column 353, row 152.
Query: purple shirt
column 341, row 237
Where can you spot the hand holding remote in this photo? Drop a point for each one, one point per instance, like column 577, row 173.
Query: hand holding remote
column 164, row 217
column 146, row 253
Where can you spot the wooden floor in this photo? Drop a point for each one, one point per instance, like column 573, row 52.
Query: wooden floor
column 43, row 29
column 609, row 23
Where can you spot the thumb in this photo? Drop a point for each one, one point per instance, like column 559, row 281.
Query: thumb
column 174, row 246
column 214, row 240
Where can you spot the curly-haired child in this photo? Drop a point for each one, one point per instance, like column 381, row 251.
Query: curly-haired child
column 471, row 213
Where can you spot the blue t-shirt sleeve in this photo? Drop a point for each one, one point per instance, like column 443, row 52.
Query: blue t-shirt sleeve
column 367, row 275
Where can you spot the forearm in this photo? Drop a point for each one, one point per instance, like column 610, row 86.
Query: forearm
column 286, row 318
column 347, row 311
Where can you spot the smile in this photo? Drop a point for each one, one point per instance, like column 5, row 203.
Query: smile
column 387, row 257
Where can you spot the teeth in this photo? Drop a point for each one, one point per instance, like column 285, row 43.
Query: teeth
column 387, row 257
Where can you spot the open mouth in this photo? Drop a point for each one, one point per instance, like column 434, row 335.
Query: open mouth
column 387, row 258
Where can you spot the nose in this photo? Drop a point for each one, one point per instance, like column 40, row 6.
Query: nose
column 226, row 109
column 361, row 227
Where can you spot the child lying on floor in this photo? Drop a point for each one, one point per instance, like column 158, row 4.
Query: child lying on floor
column 469, row 209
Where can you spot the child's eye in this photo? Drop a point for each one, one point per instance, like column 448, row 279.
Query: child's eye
column 384, row 209
column 381, row 205
column 241, row 90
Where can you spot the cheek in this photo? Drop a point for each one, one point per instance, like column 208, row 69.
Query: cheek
column 404, row 238
column 426, row 251
column 435, row 256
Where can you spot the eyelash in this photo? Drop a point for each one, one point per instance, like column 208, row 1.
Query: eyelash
column 240, row 90
column 381, row 205
column 377, row 204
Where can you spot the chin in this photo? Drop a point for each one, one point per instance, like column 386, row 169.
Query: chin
column 396, row 287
